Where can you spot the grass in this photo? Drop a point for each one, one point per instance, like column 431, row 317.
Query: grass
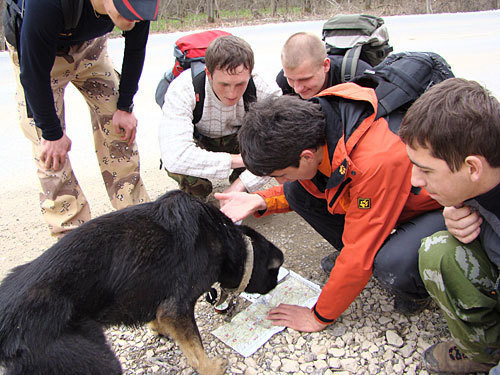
column 224, row 18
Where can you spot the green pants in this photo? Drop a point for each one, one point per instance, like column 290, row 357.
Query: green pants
column 461, row 279
column 201, row 187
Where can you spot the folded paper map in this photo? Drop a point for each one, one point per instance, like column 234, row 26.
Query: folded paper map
column 250, row 329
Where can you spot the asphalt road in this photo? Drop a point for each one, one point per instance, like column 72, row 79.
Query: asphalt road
column 468, row 41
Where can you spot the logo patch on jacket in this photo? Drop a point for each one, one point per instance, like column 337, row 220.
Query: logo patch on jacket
column 364, row 203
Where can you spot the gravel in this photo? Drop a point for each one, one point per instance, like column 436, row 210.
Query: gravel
column 368, row 338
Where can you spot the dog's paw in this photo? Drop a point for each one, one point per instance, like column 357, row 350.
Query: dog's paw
column 153, row 326
column 216, row 366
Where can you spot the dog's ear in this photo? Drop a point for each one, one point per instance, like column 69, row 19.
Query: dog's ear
column 275, row 259
column 274, row 263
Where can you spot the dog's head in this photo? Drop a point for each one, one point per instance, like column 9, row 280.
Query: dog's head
column 267, row 262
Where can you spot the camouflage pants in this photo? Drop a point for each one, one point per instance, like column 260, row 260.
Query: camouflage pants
column 88, row 67
column 462, row 280
column 201, row 187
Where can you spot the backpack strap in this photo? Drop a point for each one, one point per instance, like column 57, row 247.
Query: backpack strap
column 249, row 96
column 13, row 5
column 12, row 19
column 72, row 11
column 350, row 63
column 199, row 92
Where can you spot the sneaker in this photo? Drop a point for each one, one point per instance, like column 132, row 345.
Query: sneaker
column 446, row 358
column 410, row 306
column 328, row 262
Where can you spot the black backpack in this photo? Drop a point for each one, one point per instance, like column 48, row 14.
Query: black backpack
column 12, row 18
column 402, row 77
column 356, row 36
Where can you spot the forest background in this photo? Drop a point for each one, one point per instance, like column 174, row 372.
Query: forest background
column 175, row 15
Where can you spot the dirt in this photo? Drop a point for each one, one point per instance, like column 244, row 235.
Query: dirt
column 24, row 236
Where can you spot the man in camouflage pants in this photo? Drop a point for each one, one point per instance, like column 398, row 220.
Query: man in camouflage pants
column 452, row 133
column 45, row 60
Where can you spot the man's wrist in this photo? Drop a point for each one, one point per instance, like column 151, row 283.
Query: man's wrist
column 128, row 109
column 262, row 204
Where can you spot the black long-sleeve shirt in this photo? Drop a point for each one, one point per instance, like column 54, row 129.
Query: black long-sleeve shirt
column 488, row 205
column 39, row 40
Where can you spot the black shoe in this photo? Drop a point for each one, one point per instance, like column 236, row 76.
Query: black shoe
column 410, row 306
column 328, row 262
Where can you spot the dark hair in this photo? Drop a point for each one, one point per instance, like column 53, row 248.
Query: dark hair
column 276, row 130
column 454, row 119
column 228, row 53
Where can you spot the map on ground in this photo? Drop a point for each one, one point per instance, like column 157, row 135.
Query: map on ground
column 250, row 329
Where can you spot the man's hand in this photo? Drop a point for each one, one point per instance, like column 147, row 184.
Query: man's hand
column 296, row 317
column 236, row 186
column 463, row 223
column 54, row 153
column 126, row 123
column 238, row 205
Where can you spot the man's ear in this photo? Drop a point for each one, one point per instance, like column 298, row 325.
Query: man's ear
column 475, row 166
column 308, row 154
column 326, row 65
column 209, row 76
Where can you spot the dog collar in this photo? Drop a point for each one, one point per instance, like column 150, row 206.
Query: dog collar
column 233, row 293
column 247, row 272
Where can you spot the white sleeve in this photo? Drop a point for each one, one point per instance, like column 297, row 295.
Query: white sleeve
column 264, row 88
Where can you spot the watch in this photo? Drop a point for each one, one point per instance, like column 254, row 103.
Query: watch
column 128, row 109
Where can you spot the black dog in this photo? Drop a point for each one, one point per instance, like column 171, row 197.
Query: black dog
column 147, row 263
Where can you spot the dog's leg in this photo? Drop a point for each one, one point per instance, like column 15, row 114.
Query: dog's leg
column 185, row 332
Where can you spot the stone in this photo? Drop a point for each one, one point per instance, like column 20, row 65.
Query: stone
column 393, row 338
column 337, row 352
column 288, row 365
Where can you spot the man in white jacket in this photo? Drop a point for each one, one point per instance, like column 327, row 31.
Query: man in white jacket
column 193, row 151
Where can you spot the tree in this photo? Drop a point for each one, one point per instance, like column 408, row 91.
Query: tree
column 2, row 34
column 428, row 6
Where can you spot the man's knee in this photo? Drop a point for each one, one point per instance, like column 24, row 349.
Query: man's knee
column 435, row 248
column 398, row 273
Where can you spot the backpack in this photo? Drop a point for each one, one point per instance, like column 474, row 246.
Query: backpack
column 402, row 77
column 356, row 36
column 12, row 19
column 189, row 53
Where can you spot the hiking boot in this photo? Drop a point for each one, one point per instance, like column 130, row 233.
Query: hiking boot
column 446, row 358
column 410, row 306
column 328, row 262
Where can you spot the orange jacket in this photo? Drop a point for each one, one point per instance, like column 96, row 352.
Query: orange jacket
column 368, row 180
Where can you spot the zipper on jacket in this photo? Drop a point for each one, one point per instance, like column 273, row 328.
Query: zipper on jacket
column 339, row 191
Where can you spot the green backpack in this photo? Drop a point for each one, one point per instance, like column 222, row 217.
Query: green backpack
column 356, row 36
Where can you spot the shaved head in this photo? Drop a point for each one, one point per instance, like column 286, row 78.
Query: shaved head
column 301, row 47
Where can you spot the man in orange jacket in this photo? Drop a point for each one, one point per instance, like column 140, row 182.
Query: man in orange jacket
column 335, row 158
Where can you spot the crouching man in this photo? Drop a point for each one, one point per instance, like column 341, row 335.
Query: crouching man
column 452, row 133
